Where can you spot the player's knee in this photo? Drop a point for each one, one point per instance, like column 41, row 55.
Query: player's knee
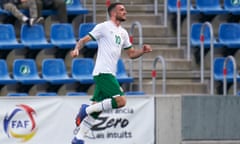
column 121, row 101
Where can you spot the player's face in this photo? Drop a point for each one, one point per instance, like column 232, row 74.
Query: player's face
column 120, row 13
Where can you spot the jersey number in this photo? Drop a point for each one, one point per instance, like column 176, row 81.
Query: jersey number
column 117, row 39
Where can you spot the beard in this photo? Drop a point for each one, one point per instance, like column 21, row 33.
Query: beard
column 121, row 19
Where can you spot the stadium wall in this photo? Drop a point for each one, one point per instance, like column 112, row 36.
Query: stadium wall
column 198, row 119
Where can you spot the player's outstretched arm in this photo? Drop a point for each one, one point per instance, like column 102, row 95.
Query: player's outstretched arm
column 135, row 53
column 80, row 44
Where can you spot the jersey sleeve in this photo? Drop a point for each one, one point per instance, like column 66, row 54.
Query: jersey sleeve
column 127, row 44
column 96, row 32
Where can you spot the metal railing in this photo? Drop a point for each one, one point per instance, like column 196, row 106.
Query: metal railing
column 165, row 13
column 154, row 75
column 178, row 23
column 94, row 10
column 229, row 58
column 140, row 45
column 209, row 25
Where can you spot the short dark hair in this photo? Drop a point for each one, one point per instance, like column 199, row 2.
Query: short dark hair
column 112, row 6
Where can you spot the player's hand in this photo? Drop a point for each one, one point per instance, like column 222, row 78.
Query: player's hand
column 74, row 52
column 147, row 48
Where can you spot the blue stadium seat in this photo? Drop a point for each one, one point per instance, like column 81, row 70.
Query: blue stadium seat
column 74, row 7
column 62, row 36
column 134, row 93
column 195, row 36
column 172, row 7
column 4, row 74
column 25, row 71
column 231, row 7
column 54, row 71
column 218, row 70
column 17, row 94
column 84, row 29
column 121, row 74
column 8, row 38
column 46, row 94
column 229, row 35
column 76, row 94
column 34, row 37
column 3, row 12
column 210, row 7
column 82, row 69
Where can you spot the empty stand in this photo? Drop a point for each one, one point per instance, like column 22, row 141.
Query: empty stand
column 76, row 94
column 210, row 7
column 25, row 71
column 121, row 74
column 62, row 36
column 17, row 94
column 8, row 38
column 218, row 70
column 229, row 35
column 46, row 94
column 4, row 74
column 134, row 93
column 84, row 29
column 34, row 37
column 54, row 71
column 82, row 69
column 195, row 36
column 231, row 7
column 76, row 8
column 3, row 12
column 173, row 7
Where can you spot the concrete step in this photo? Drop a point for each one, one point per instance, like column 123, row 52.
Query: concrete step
column 175, row 87
column 171, row 64
column 131, row 8
column 193, row 75
column 152, row 30
column 162, row 40
column 167, row 53
column 126, row 2
column 144, row 19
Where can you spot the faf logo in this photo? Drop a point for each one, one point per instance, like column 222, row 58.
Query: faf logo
column 69, row 2
column 20, row 123
column 25, row 69
column 235, row 2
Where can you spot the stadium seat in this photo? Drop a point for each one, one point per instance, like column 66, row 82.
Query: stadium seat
column 210, row 7
column 82, row 69
column 25, row 71
column 218, row 70
column 3, row 12
column 172, row 7
column 62, row 36
column 84, row 29
column 76, row 94
column 231, row 7
column 54, row 71
column 46, row 94
column 8, row 38
column 74, row 7
column 134, row 93
column 17, row 94
column 4, row 74
column 195, row 36
column 121, row 74
column 229, row 35
column 34, row 37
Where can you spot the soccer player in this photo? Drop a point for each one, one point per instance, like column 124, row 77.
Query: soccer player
column 108, row 94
